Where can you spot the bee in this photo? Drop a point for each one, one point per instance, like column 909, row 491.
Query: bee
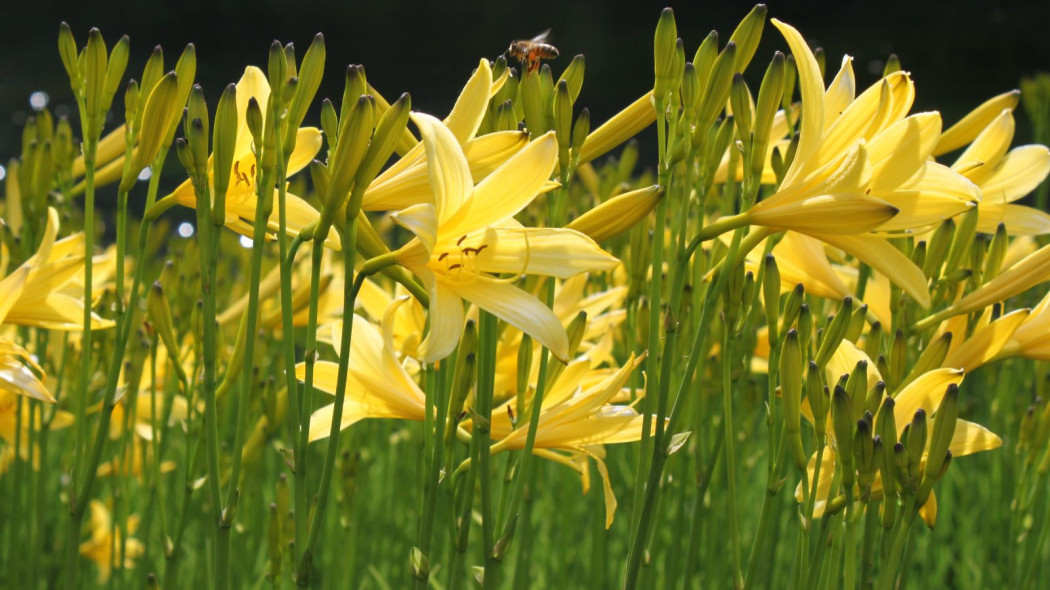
column 530, row 51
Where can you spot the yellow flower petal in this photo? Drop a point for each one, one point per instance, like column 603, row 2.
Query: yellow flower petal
column 450, row 179
column 972, row 124
column 812, row 88
column 885, row 258
column 985, row 343
column 925, row 393
column 471, row 105
column 554, row 252
column 512, row 305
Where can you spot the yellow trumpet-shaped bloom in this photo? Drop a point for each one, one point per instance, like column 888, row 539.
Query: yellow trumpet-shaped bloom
column 1005, row 177
column 468, row 236
column 1031, row 338
column 35, row 294
column 241, row 197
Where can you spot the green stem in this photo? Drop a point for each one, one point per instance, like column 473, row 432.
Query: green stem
column 481, row 438
column 351, row 286
column 888, row 574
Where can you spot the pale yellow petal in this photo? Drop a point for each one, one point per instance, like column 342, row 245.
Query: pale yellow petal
column 812, row 88
column 471, row 105
column 544, row 251
column 885, row 258
column 450, row 180
column 517, row 308
column 925, row 393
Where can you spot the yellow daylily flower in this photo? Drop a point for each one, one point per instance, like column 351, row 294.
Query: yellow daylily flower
column 105, row 537
column 575, row 418
column 862, row 164
column 468, row 236
column 1005, row 177
column 378, row 385
column 40, row 297
column 241, row 197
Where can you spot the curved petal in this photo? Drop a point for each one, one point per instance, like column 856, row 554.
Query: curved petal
column 517, row 308
column 308, row 142
column 252, row 84
column 837, row 214
column 421, row 220
column 840, row 93
column 447, row 168
column 471, row 105
column 901, row 150
column 991, row 145
column 1016, row 175
column 925, row 393
column 812, row 88
column 1019, row 220
column 507, row 190
column 970, row 438
column 985, row 343
column 885, row 258
column 446, row 320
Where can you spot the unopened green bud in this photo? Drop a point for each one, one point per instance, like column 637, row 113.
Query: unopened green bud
column 154, row 69
column 355, row 85
column 309, row 76
column 856, row 323
column 572, row 76
column 575, row 331
column 818, row 396
column 524, row 364
column 254, row 117
column 790, row 79
column 937, row 249
column 747, row 35
column 388, row 132
column 464, row 376
column 118, row 62
column 864, row 452
column 563, row 122
column 902, row 467
column 182, row 150
column 131, row 101
column 197, row 137
column 771, row 296
column 67, row 50
column 791, row 390
column 719, row 84
column 916, row 441
column 931, row 357
column 822, row 59
column 664, row 53
column 805, row 326
column 535, row 104
column 276, row 69
column 873, row 340
column 690, row 91
column 897, row 360
column 94, row 69
column 843, row 423
column 580, row 130
column 740, row 100
column 769, row 96
column 159, row 313
column 704, row 60
column 835, row 332
column 329, row 123
column 893, row 64
column 224, row 141
column 354, row 133
column 792, row 305
column 964, row 236
column 161, row 108
column 943, row 430
column 857, row 385
column 186, row 73
column 996, row 253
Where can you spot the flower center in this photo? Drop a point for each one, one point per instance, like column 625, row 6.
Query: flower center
column 461, row 262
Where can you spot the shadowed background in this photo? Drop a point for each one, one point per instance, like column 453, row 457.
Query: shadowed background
column 959, row 53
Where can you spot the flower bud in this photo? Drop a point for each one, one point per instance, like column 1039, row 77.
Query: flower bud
column 819, row 398
column 916, row 441
column 580, row 130
column 964, row 236
column 719, row 84
column 309, row 79
column 572, row 76
column 805, row 326
column 224, row 141
column 944, row 423
column 771, row 296
column 792, row 306
column 747, row 35
column 769, row 97
column 664, row 53
column 563, row 122
column 835, row 332
column 740, row 100
column 844, row 424
column 856, row 323
column 893, row 64
column 996, row 253
column 161, row 108
column 617, row 215
column 791, row 390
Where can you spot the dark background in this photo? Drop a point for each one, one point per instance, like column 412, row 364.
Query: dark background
column 959, row 52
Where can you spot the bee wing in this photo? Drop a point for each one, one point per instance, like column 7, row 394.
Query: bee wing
column 542, row 37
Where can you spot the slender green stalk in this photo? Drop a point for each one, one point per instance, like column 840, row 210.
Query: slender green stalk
column 888, row 573
column 487, row 339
